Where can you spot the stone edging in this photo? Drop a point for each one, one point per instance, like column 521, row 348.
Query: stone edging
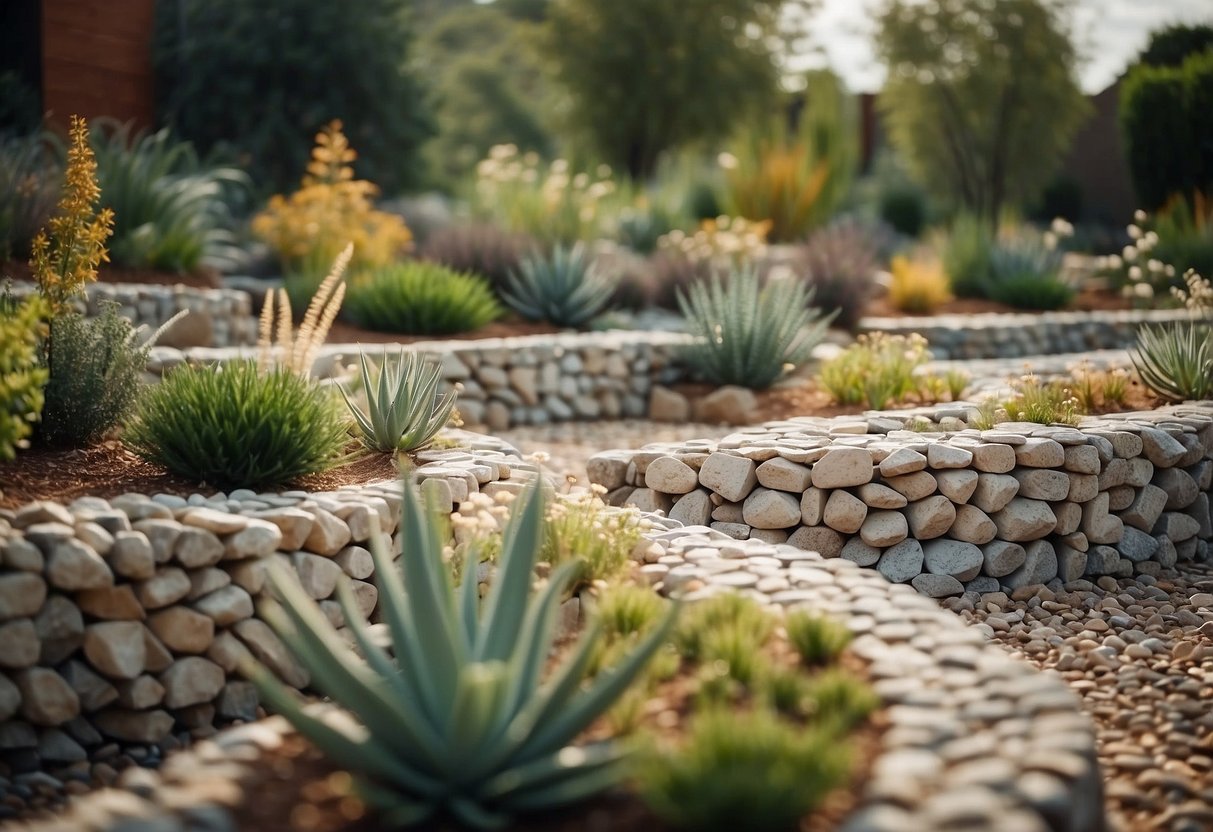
column 1001, row 335
column 123, row 620
column 1013, row 508
column 217, row 317
column 527, row 380
column 975, row 739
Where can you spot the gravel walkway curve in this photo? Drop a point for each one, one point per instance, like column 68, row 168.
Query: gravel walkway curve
column 1138, row 652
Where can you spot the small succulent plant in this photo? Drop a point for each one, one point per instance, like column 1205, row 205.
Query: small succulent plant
column 564, row 288
column 750, row 334
column 404, row 410
column 456, row 718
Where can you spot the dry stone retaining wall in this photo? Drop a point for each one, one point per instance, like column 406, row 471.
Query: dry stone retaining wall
column 999, row 335
column 1006, row 509
column 217, row 317
column 528, row 380
column 123, row 621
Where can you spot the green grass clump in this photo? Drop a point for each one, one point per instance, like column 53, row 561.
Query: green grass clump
column 233, row 427
column 96, row 375
column 749, row 770
column 626, row 609
column 1033, row 400
column 877, row 370
column 748, row 334
column 582, row 528
column 1026, row 274
column 818, row 640
column 736, row 615
column 419, row 298
column 966, row 249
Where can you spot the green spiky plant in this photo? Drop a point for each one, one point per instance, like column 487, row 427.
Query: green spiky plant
column 404, row 410
column 1176, row 360
column 749, row 334
column 564, row 288
column 418, row 298
column 457, row 719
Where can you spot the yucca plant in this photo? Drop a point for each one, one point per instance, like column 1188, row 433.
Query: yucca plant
column 564, row 288
column 404, row 410
column 456, row 718
column 1176, row 360
column 749, row 334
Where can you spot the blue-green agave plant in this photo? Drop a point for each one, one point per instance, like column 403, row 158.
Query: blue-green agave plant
column 565, row 288
column 456, row 718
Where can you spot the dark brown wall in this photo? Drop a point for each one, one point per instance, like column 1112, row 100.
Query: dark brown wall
column 96, row 59
column 1097, row 162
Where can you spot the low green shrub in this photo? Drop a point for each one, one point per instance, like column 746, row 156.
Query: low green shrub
column 419, row 298
column 170, row 206
column 565, row 287
column 582, row 528
column 965, row 251
column 21, row 376
column 1032, row 400
column 456, row 719
column 231, row 426
column 877, row 370
column 1026, row 274
column 728, row 611
column 749, row 770
column 748, row 334
column 818, row 640
column 404, row 411
column 96, row 374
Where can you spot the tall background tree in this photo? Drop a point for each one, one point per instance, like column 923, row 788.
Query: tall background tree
column 1166, row 115
column 263, row 77
column 981, row 97
column 487, row 85
column 640, row 77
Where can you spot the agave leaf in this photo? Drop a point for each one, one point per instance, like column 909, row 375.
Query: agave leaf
column 507, row 598
column 570, row 774
column 469, row 598
column 605, row 689
column 395, row 810
column 355, row 748
column 335, row 672
column 393, row 606
column 430, row 606
column 475, row 815
column 482, row 692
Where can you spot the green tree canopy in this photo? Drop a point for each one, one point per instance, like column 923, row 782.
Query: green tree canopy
column 488, row 86
column 263, row 77
column 643, row 76
column 981, row 98
column 1170, row 45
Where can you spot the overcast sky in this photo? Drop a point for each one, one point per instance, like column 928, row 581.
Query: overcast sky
column 1110, row 32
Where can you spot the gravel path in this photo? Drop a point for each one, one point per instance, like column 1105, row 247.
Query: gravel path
column 1139, row 652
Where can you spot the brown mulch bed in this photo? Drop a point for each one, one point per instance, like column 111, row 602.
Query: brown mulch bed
column 346, row 333
column 109, row 469
column 295, row 787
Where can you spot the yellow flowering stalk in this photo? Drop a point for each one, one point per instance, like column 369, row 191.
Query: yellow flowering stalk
column 68, row 257
column 309, row 228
